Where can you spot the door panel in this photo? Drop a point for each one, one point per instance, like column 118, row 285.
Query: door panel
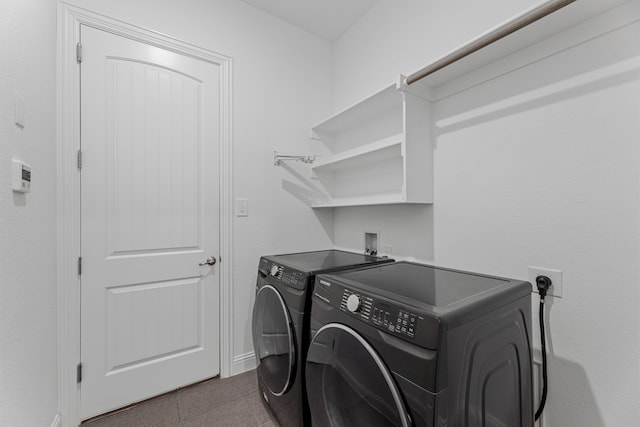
column 153, row 113
column 151, row 321
column 150, row 134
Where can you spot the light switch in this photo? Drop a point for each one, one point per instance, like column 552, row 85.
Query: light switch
column 19, row 111
column 242, row 207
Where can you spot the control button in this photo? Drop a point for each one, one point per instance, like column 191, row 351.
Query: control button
column 353, row 303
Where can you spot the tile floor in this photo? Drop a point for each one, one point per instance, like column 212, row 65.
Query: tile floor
column 229, row 402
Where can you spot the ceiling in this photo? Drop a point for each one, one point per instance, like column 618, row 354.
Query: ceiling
column 327, row 19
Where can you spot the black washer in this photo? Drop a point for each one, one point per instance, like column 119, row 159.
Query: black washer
column 280, row 324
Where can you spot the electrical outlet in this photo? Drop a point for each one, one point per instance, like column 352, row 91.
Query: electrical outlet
column 556, row 280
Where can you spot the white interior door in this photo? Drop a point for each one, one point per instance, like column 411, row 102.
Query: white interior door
column 150, row 135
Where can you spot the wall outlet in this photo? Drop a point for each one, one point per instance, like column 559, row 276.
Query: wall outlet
column 556, row 280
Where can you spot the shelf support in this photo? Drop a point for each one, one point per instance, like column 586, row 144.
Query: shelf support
column 492, row 36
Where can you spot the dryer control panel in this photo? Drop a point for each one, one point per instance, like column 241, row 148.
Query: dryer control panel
column 356, row 304
column 378, row 311
column 382, row 314
column 394, row 319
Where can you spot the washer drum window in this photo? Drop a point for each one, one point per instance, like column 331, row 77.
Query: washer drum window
column 348, row 384
column 274, row 340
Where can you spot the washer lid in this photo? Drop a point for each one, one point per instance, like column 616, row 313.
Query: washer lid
column 436, row 292
column 426, row 284
column 327, row 260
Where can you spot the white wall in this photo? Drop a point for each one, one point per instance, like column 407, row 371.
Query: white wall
column 28, row 363
column 539, row 167
column 391, row 40
column 281, row 85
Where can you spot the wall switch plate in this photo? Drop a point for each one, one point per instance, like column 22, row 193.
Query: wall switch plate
column 242, row 207
column 556, row 280
column 18, row 104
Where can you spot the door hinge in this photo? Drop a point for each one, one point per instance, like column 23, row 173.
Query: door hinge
column 79, row 373
column 79, row 265
column 79, row 53
column 79, row 159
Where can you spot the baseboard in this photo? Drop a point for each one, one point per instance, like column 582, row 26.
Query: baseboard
column 57, row 421
column 243, row 363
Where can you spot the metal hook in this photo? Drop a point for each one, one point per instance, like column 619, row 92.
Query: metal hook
column 277, row 158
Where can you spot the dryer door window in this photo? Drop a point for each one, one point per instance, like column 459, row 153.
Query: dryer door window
column 348, row 384
column 273, row 340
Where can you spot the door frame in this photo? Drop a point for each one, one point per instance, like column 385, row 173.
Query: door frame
column 68, row 188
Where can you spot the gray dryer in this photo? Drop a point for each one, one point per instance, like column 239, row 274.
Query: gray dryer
column 407, row 344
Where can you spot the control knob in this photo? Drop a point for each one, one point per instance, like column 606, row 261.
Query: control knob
column 274, row 270
column 353, row 303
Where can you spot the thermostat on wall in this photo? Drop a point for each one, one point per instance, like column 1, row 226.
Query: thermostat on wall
column 21, row 177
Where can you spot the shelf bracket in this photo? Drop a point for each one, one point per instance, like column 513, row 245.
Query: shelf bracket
column 279, row 157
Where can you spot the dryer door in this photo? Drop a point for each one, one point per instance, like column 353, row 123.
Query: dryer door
column 273, row 340
column 348, row 383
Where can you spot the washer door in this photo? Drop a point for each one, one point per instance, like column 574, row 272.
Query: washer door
column 273, row 340
column 348, row 384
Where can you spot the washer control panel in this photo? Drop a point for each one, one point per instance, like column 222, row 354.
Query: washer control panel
column 284, row 274
column 385, row 316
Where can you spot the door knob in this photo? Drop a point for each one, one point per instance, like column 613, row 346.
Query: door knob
column 210, row 261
